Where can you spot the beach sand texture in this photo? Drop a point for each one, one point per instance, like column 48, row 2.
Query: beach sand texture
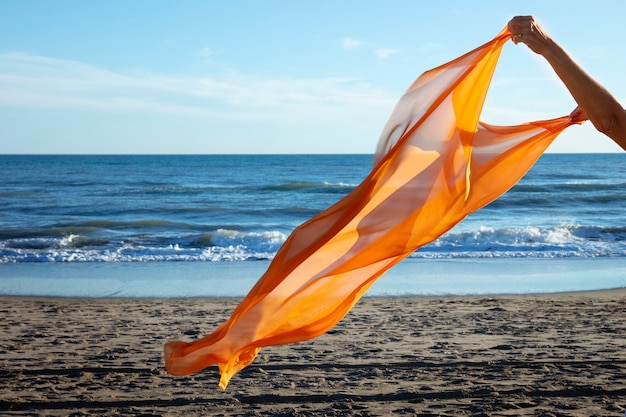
column 539, row 355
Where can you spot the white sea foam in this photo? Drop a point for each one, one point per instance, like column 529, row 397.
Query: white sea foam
column 227, row 245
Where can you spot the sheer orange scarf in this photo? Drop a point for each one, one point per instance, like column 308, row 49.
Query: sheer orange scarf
column 435, row 163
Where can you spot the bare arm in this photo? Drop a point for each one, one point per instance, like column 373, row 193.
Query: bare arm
column 602, row 109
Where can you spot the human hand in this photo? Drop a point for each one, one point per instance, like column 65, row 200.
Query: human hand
column 525, row 29
column 578, row 115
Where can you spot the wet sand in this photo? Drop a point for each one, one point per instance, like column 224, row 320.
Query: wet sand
column 535, row 355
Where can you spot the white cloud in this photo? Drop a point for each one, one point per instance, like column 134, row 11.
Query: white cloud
column 349, row 43
column 206, row 53
column 429, row 46
column 29, row 81
column 383, row 53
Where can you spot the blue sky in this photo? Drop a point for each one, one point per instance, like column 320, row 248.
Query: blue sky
column 189, row 77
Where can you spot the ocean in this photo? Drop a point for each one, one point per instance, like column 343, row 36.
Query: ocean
column 208, row 225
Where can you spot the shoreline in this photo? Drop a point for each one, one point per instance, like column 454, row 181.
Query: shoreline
column 599, row 293
column 412, row 277
column 531, row 354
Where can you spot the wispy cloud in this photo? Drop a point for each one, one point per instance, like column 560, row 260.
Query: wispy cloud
column 349, row 43
column 206, row 54
column 44, row 82
column 429, row 46
column 383, row 53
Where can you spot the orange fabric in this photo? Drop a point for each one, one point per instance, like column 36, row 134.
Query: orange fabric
column 435, row 164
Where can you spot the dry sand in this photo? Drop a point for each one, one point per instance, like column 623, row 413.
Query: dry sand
column 539, row 355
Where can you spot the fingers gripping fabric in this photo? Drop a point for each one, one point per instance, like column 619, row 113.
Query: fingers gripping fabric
column 435, row 163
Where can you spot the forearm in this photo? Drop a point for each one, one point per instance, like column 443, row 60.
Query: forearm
column 602, row 109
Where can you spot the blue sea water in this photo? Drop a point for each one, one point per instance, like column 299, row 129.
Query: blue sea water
column 72, row 222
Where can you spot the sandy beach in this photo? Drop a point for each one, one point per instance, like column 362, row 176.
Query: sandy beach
column 536, row 355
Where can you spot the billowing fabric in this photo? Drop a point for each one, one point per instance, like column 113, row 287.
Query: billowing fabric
column 435, row 163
